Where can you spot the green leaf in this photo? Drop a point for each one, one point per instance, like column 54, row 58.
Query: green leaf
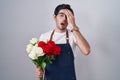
column 43, row 64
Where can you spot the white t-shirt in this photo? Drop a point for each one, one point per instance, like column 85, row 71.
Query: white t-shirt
column 60, row 38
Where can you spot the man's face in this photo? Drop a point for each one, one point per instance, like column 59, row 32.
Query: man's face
column 61, row 20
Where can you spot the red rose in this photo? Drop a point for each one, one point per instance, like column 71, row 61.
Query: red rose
column 57, row 50
column 51, row 43
column 48, row 50
column 41, row 44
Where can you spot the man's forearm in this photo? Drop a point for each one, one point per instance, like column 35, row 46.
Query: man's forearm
column 81, row 41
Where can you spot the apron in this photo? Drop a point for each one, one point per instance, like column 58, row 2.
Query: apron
column 62, row 68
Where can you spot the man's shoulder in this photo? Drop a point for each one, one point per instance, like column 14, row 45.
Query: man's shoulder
column 45, row 35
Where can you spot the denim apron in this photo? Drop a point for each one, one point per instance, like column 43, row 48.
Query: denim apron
column 62, row 68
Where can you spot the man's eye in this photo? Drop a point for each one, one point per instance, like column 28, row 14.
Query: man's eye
column 62, row 15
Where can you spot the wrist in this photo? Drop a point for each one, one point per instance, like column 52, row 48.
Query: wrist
column 75, row 28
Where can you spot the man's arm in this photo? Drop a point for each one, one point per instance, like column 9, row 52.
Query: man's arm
column 80, row 40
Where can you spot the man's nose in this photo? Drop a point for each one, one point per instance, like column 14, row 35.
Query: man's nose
column 65, row 18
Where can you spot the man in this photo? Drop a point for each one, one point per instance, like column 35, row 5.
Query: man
column 62, row 67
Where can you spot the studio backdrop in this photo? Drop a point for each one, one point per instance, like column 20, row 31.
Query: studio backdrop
column 98, row 21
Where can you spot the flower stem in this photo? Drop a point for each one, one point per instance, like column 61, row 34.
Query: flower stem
column 41, row 78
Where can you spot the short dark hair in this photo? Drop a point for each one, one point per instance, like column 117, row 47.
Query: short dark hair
column 62, row 6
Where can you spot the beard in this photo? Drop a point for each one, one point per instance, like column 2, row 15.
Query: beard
column 62, row 28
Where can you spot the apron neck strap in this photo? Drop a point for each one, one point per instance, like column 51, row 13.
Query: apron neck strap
column 67, row 36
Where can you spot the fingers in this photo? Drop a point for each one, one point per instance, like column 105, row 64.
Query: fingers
column 69, row 13
column 70, row 17
column 39, row 73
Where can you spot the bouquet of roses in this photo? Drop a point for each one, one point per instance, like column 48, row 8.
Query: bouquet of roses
column 42, row 52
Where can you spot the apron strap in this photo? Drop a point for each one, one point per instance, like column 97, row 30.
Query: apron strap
column 67, row 36
column 52, row 34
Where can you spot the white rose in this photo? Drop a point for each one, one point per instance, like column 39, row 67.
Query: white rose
column 29, row 48
column 33, row 40
column 33, row 55
column 36, row 52
column 34, row 48
column 39, row 51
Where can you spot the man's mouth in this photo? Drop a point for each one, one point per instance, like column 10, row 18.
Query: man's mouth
column 62, row 24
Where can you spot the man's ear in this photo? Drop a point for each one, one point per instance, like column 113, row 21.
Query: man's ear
column 54, row 16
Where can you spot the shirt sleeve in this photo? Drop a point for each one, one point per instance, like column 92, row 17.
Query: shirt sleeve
column 44, row 36
column 41, row 37
column 74, row 39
